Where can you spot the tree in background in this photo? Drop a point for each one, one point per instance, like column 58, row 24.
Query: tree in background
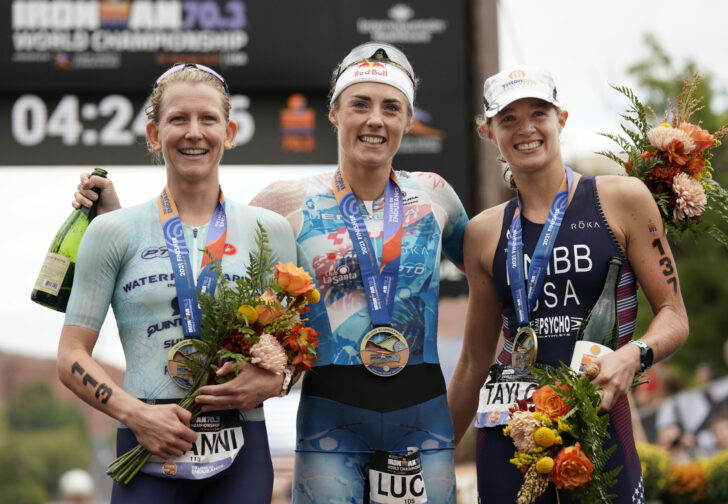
column 36, row 407
column 701, row 262
column 41, row 437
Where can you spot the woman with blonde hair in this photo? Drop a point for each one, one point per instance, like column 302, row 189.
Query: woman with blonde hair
column 148, row 261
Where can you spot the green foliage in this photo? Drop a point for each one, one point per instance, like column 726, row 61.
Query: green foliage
column 41, row 437
column 588, row 427
column 717, row 486
column 260, row 261
column 59, row 449
column 36, row 407
column 219, row 311
column 22, row 475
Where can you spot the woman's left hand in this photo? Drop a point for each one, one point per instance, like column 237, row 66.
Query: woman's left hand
column 248, row 389
column 616, row 372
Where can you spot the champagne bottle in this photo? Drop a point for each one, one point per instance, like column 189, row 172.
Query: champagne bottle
column 599, row 331
column 53, row 286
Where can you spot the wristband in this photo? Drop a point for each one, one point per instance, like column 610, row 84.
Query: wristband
column 286, row 387
column 646, row 354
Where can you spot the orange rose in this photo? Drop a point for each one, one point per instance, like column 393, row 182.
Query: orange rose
column 267, row 313
column 572, row 468
column 293, row 279
column 703, row 140
column 549, row 403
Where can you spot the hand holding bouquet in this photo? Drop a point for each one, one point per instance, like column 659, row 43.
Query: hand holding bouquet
column 258, row 319
column 558, row 436
column 673, row 160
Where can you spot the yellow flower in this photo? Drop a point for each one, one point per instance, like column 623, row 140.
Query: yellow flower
column 542, row 417
column 544, row 437
column 545, row 465
column 313, row 297
column 247, row 312
column 564, row 427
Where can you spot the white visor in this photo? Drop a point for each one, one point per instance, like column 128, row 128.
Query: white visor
column 375, row 71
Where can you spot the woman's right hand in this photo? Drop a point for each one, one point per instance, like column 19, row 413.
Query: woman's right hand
column 85, row 196
column 163, row 429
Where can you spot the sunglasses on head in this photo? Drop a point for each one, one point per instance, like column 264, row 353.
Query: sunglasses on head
column 181, row 66
column 376, row 50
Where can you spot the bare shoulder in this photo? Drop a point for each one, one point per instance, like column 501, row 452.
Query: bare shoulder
column 628, row 206
column 622, row 190
column 282, row 197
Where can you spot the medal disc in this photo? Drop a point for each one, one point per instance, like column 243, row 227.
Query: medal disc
column 525, row 349
column 384, row 351
column 178, row 371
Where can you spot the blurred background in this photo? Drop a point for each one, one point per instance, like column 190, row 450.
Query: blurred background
column 75, row 79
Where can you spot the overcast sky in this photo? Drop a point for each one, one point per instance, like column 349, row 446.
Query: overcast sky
column 586, row 46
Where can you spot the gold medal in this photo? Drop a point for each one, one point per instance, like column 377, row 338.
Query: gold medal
column 525, row 349
column 178, row 371
column 384, row 351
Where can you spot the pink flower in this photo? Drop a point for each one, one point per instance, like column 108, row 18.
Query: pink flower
column 662, row 136
column 690, row 197
column 269, row 354
column 522, row 428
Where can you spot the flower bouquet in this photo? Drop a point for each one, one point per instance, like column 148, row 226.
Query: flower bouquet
column 558, row 435
column 673, row 160
column 257, row 319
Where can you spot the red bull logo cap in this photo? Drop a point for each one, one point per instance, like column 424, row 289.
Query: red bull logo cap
column 502, row 89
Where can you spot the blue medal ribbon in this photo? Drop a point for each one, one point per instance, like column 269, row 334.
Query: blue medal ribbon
column 184, row 283
column 524, row 297
column 380, row 283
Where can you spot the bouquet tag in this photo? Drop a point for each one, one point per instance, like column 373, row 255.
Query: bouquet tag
column 396, row 478
column 219, row 439
column 503, row 387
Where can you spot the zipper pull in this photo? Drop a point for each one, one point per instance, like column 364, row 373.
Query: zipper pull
column 194, row 232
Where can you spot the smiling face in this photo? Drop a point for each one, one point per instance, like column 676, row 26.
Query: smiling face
column 527, row 134
column 192, row 132
column 371, row 119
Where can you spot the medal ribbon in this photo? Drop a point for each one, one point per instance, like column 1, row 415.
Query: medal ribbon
column 525, row 300
column 180, row 258
column 380, row 283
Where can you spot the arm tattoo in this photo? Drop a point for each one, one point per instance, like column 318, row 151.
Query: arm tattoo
column 667, row 269
column 103, row 391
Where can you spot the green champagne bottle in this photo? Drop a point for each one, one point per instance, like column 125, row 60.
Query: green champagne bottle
column 599, row 331
column 53, row 286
